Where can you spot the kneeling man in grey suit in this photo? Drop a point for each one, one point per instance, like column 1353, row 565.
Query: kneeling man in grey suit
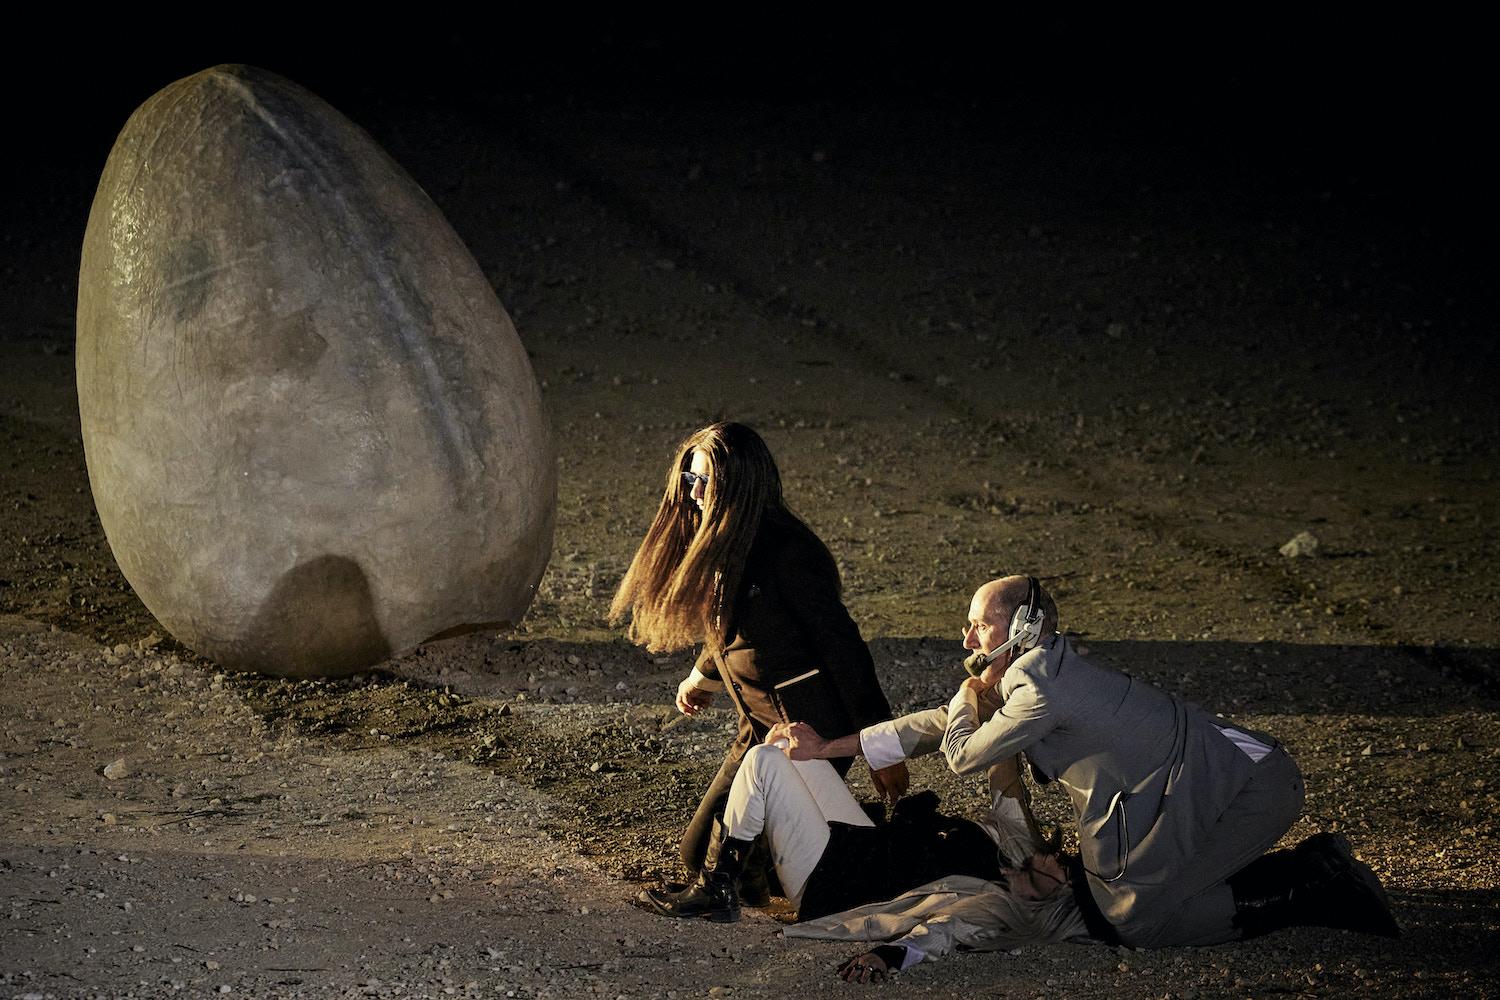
column 1175, row 807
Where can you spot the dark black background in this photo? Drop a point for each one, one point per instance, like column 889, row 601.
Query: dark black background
column 1384, row 119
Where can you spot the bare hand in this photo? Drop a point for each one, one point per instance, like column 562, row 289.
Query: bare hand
column 802, row 741
column 891, row 782
column 691, row 699
column 990, row 702
column 975, row 684
column 866, row 968
column 986, row 695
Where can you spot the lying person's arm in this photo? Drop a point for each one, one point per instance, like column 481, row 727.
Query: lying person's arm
column 1010, row 821
column 876, row 964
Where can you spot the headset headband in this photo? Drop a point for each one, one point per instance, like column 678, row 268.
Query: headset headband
column 1025, row 624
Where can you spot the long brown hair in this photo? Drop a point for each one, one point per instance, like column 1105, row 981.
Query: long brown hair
column 681, row 584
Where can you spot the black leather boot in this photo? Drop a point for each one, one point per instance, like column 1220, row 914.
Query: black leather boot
column 755, row 885
column 714, row 896
column 1319, row 883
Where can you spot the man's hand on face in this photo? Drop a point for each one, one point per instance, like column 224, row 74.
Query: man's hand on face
column 992, row 673
column 891, row 782
column 691, row 699
column 988, row 696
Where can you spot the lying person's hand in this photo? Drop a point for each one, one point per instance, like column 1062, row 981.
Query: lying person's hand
column 891, row 782
column 866, row 968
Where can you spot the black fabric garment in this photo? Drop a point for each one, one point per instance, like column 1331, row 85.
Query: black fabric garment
column 1094, row 920
column 791, row 654
column 865, row 864
column 791, row 651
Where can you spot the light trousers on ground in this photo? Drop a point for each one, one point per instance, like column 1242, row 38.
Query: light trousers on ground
column 792, row 802
column 1200, row 908
column 700, row 828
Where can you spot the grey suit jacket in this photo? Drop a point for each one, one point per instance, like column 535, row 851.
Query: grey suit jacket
column 1148, row 773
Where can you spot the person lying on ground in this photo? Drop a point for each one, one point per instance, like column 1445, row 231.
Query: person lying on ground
column 1032, row 903
column 1045, row 900
column 829, row 854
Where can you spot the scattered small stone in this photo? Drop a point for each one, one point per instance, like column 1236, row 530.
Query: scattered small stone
column 117, row 769
column 1304, row 545
column 1368, row 751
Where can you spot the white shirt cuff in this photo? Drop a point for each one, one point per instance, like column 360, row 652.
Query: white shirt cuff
column 702, row 682
column 1007, row 810
column 880, row 745
column 1010, row 832
column 1249, row 745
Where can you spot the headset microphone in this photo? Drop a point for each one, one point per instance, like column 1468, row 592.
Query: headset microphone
column 975, row 664
column 1025, row 630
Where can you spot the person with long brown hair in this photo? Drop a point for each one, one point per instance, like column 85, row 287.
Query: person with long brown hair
column 726, row 563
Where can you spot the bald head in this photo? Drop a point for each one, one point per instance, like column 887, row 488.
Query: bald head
column 993, row 606
column 999, row 598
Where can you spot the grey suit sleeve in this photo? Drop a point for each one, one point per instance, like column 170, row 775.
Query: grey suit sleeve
column 1021, row 721
column 886, row 743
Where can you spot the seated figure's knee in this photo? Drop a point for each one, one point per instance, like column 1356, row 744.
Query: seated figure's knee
column 764, row 759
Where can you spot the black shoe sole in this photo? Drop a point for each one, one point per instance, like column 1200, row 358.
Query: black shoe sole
column 1359, row 880
column 1378, row 919
column 660, row 903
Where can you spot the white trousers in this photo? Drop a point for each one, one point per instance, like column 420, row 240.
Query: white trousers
column 792, row 802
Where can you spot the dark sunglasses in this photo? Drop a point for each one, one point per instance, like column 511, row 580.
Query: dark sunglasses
column 690, row 478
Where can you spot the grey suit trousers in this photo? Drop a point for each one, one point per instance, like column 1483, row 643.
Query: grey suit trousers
column 1196, row 907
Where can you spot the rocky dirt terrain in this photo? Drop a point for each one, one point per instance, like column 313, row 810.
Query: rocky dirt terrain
column 979, row 342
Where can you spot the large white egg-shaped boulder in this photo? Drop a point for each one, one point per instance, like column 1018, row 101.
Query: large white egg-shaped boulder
column 313, row 436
